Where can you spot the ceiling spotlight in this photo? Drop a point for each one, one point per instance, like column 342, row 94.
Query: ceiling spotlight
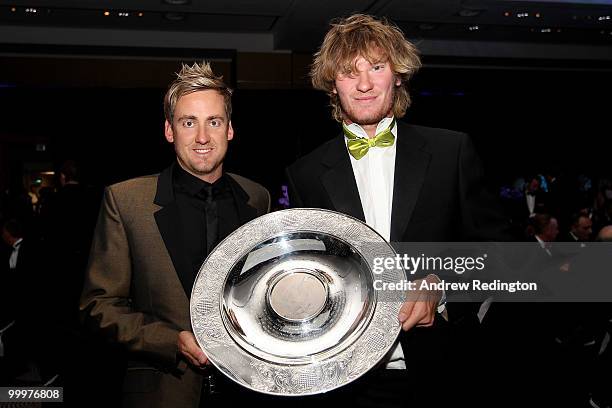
column 177, row 2
column 427, row 26
column 123, row 14
column 107, row 13
column 538, row 15
column 546, row 30
column 522, row 15
column 140, row 14
column 174, row 16
column 469, row 13
column 473, row 28
column 13, row 9
column 506, row 14
column 603, row 18
column 31, row 10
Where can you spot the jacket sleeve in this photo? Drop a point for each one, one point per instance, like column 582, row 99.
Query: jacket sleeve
column 106, row 306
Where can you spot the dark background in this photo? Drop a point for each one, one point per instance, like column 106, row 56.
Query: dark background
column 522, row 121
column 528, row 80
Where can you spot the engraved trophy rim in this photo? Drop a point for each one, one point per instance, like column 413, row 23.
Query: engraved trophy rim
column 367, row 340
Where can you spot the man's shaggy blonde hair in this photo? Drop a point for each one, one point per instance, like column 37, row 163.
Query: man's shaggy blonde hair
column 373, row 39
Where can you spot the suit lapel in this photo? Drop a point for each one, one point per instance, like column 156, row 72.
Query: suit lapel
column 339, row 180
column 411, row 162
column 167, row 219
column 245, row 211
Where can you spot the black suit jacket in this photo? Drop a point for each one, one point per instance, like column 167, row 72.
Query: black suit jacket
column 438, row 196
column 438, row 192
column 23, row 300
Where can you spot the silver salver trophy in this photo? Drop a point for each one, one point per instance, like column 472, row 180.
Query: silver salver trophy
column 286, row 304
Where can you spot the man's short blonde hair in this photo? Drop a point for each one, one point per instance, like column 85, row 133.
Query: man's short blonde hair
column 197, row 77
column 373, row 39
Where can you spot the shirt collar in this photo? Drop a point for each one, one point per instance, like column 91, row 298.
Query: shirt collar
column 382, row 125
column 188, row 183
column 17, row 243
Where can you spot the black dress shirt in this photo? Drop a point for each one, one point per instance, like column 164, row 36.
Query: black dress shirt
column 197, row 202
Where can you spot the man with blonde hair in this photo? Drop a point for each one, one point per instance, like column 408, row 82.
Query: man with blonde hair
column 153, row 234
column 409, row 183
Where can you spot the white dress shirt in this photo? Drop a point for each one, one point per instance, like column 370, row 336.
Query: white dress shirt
column 374, row 174
column 530, row 199
column 15, row 254
column 543, row 244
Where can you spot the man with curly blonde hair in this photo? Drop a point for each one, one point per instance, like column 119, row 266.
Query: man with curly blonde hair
column 152, row 236
column 375, row 42
column 410, row 183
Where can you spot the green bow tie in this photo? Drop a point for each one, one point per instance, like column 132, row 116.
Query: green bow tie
column 359, row 146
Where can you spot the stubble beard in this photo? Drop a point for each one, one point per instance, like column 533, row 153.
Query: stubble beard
column 372, row 119
column 201, row 169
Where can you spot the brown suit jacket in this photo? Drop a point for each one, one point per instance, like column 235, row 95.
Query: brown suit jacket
column 133, row 294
